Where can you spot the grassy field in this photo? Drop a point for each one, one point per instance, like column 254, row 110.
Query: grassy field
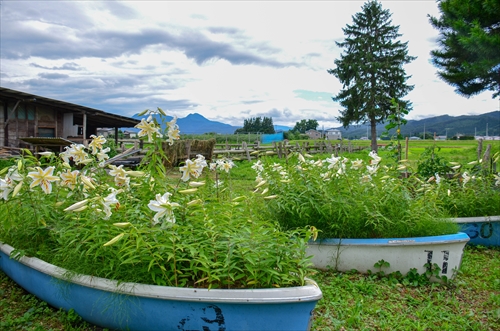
column 350, row 301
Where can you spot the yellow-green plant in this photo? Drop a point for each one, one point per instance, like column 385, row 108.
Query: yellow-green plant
column 78, row 212
column 345, row 198
column 469, row 190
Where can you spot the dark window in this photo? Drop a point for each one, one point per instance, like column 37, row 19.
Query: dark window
column 46, row 132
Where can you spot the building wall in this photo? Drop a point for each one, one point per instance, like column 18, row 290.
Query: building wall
column 28, row 120
column 313, row 134
column 333, row 135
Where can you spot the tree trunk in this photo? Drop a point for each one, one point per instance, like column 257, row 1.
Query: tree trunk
column 373, row 125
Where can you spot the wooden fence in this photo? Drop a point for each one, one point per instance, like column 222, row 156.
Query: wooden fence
column 282, row 149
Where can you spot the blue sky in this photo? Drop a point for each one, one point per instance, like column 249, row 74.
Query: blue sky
column 227, row 61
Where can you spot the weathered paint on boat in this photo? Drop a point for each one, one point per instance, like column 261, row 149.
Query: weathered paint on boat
column 130, row 306
column 484, row 231
column 402, row 254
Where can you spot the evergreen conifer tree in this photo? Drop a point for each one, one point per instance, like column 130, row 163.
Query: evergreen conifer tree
column 371, row 69
column 469, row 56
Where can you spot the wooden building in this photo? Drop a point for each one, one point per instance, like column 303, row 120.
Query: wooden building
column 28, row 120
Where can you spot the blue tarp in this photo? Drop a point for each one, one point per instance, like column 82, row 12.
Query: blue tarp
column 270, row 138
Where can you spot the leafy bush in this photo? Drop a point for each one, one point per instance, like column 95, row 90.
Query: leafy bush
column 350, row 199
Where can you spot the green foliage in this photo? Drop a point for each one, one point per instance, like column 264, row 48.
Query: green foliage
column 463, row 190
column 147, row 226
column 468, row 57
column 351, row 301
column 350, row 199
column 396, row 119
column 305, row 125
column 354, row 301
column 430, row 163
column 257, row 125
column 371, row 69
column 413, row 277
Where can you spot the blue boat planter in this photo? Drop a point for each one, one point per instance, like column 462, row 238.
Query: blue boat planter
column 484, row 231
column 130, row 306
column 402, row 254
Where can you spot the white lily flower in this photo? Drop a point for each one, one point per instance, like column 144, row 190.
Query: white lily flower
column 372, row 169
column 8, row 184
column 163, row 208
column 117, row 170
column 466, row 178
column 173, row 131
column 148, row 128
column 357, row 164
column 110, row 200
column 103, row 154
column 96, row 143
column 191, row 169
column 44, row 178
column 375, row 158
column 69, row 178
column 332, row 161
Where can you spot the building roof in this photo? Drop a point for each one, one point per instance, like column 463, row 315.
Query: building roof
column 95, row 117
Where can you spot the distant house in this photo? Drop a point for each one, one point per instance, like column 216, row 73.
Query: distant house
column 130, row 134
column 28, row 120
column 105, row 132
column 487, row 137
column 333, row 134
column 313, row 134
column 440, row 137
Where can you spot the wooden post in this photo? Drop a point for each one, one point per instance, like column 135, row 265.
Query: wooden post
column 479, row 148
column 406, row 148
column 188, row 149
column 244, row 145
column 486, row 157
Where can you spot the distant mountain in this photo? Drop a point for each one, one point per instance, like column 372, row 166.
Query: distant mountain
column 441, row 125
column 282, row 128
column 197, row 124
column 468, row 125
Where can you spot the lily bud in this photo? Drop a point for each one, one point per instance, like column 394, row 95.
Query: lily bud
column 122, row 224
column 114, row 240
column 194, row 202
column 196, row 184
column 17, row 189
column 77, row 205
column 188, row 191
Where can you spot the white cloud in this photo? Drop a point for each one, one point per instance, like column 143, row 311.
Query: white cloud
column 225, row 60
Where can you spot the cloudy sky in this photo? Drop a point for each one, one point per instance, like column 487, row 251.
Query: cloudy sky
column 225, row 60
